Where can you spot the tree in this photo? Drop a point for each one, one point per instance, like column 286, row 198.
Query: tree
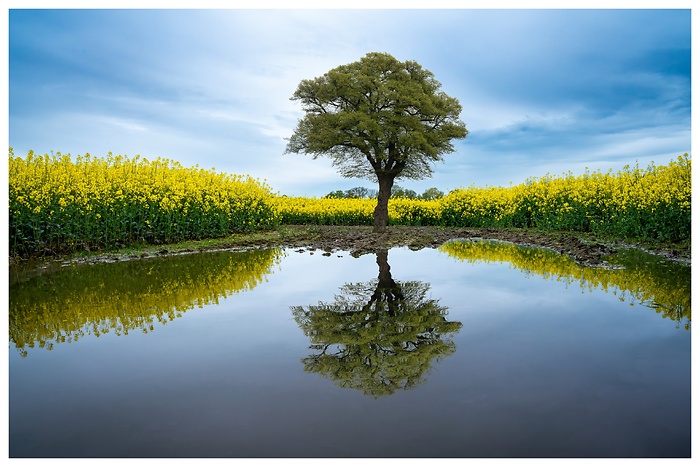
column 400, row 192
column 357, row 192
column 377, row 118
column 377, row 336
column 432, row 193
column 336, row 194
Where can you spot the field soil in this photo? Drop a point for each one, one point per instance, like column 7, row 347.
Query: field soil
column 585, row 249
column 358, row 240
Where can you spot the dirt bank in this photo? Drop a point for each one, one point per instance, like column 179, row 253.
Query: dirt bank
column 359, row 240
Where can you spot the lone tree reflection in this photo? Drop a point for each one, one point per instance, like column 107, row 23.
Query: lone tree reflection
column 377, row 336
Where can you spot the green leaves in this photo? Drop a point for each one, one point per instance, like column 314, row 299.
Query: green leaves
column 377, row 336
column 377, row 118
column 377, row 115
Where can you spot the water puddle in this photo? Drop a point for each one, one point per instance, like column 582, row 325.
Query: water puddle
column 477, row 349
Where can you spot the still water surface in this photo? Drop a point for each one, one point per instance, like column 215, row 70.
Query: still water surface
column 478, row 349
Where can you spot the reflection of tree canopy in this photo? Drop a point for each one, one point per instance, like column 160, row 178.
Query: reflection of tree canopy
column 657, row 283
column 377, row 336
column 69, row 304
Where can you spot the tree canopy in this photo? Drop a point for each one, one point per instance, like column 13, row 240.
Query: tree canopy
column 377, row 336
column 377, row 118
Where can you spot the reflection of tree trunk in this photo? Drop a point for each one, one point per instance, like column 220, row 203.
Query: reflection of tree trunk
column 387, row 290
column 378, row 336
column 385, row 280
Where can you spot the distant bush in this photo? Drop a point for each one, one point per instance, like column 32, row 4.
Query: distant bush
column 396, row 192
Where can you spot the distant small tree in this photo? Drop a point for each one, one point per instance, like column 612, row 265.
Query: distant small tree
column 357, row 192
column 335, row 194
column 399, row 192
column 377, row 118
column 431, row 194
column 372, row 193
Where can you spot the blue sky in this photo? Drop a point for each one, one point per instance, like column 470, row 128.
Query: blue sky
column 543, row 91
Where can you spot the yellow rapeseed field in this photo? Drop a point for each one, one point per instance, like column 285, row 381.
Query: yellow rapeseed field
column 652, row 203
column 60, row 204
column 631, row 203
column 57, row 204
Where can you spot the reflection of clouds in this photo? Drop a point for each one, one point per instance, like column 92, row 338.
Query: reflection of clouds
column 338, row 268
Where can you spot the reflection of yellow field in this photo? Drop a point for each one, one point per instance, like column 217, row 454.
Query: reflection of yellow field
column 656, row 284
column 133, row 295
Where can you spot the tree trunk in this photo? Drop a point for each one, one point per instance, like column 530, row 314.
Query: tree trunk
column 381, row 212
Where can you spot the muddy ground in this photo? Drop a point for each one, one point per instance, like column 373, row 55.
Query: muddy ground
column 359, row 240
